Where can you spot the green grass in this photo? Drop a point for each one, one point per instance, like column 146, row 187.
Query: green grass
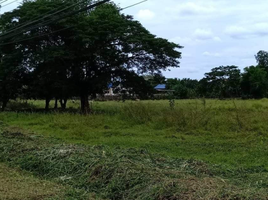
column 229, row 136
column 219, row 132
column 16, row 184
column 124, row 173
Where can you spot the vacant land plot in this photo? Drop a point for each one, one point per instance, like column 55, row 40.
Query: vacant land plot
column 206, row 143
column 16, row 185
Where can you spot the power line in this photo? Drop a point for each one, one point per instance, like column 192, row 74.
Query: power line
column 67, row 15
column 134, row 5
column 3, row 1
column 39, row 20
column 48, row 22
column 23, row 40
column 54, row 12
column 44, row 15
column 56, row 19
column 8, row 4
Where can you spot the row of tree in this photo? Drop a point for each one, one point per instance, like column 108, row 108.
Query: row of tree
column 59, row 55
column 226, row 82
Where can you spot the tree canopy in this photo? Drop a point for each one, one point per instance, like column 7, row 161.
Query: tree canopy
column 77, row 55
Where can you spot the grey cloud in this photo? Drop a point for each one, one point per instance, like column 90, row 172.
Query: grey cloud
column 203, row 34
column 191, row 8
column 250, row 30
column 207, row 53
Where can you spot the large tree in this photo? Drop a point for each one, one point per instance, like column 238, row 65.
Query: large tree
column 254, row 82
column 183, row 88
column 222, row 82
column 11, row 75
column 262, row 59
column 96, row 48
column 112, row 44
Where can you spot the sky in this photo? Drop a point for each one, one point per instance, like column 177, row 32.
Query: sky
column 213, row 32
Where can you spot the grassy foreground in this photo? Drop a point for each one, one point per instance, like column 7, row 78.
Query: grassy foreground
column 199, row 149
column 231, row 133
column 18, row 185
column 99, row 172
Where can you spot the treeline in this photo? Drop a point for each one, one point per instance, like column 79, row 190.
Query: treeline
column 53, row 50
column 226, row 82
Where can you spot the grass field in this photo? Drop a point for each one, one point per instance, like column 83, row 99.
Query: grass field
column 17, row 185
column 225, row 142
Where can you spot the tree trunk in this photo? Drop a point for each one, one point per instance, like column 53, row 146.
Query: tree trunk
column 4, row 104
column 63, row 103
column 56, row 104
column 47, row 104
column 85, row 108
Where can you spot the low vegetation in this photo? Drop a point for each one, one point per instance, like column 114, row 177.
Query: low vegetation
column 144, row 150
column 16, row 184
column 124, row 173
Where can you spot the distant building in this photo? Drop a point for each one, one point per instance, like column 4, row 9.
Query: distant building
column 162, row 88
column 117, row 92
column 162, row 92
column 110, row 91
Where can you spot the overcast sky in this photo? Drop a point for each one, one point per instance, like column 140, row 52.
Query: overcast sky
column 213, row 32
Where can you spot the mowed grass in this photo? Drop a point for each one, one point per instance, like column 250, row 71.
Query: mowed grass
column 211, row 142
column 99, row 172
column 16, row 185
column 231, row 133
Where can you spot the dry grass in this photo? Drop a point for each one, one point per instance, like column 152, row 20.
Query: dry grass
column 218, row 149
column 17, row 185
column 114, row 174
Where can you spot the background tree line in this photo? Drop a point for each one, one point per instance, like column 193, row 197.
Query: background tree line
column 226, row 82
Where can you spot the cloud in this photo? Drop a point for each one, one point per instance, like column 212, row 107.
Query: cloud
column 206, row 53
column 236, row 31
column 184, row 41
column 250, row 30
column 203, row 34
column 146, row 14
column 198, row 37
column 217, row 39
column 192, row 71
column 260, row 29
column 191, row 8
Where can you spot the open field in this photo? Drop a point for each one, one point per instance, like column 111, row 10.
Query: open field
column 15, row 185
column 210, row 149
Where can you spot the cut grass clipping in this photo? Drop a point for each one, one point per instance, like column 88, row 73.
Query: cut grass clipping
column 15, row 185
column 120, row 173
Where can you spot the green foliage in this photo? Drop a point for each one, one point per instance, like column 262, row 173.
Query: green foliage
column 20, row 106
column 262, row 60
column 125, row 173
column 155, row 79
column 92, row 50
column 184, row 88
column 16, row 184
column 11, row 74
column 223, row 81
column 254, row 82
column 215, row 131
column 138, row 113
column 172, row 103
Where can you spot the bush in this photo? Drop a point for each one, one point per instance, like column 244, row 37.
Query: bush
column 18, row 106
